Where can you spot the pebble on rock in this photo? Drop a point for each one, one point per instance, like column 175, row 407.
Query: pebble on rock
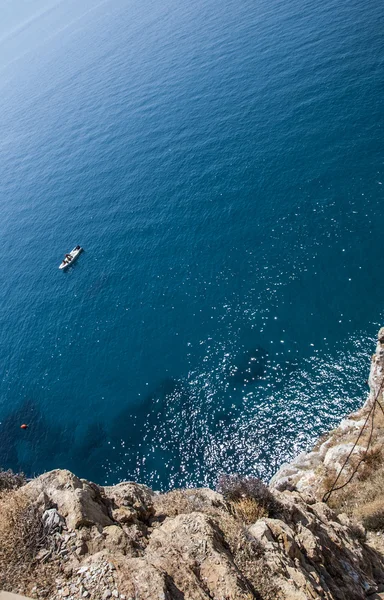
column 82, row 570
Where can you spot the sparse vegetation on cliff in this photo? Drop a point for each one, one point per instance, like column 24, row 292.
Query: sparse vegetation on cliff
column 10, row 480
column 21, row 538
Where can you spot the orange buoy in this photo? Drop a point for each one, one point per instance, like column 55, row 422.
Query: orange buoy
column 23, row 426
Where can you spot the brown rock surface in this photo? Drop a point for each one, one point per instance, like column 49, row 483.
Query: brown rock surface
column 191, row 544
column 76, row 500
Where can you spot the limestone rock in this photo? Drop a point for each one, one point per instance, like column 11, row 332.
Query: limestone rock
column 336, row 456
column 195, row 539
column 76, row 500
column 52, row 521
column 130, row 500
column 115, row 539
column 191, row 544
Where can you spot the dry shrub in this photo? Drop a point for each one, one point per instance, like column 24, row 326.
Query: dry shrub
column 358, row 532
column 21, row 537
column 374, row 521
column 10, row 480
column 249, row 510
column 172, row 504
column 235, row 488
column 372, row 514
column 372, row 461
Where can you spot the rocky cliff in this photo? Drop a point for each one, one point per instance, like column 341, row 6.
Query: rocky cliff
column 64, row 537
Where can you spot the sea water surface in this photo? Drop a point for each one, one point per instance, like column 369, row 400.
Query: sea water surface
column 221, row 163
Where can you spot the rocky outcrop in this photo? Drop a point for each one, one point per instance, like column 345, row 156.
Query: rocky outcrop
column 62, row 537
column 78, row 501
column 129, row 542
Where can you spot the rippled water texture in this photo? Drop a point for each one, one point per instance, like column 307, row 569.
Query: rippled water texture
column 222, row 166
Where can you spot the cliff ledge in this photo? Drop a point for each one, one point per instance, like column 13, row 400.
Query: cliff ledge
column 62, row 537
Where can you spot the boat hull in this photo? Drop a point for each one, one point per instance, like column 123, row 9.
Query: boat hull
column 74, row 254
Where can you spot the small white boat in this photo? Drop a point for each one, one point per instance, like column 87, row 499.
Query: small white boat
column 70, row 258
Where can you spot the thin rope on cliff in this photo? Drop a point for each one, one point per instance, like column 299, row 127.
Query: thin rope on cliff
column 371, row 412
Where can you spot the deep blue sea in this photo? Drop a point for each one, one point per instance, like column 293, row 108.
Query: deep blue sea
column 221, row 163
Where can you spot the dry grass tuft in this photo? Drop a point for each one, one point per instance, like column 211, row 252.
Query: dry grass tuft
column 237, row 489
column 374, row 521
column 249, row 510
column 372, row 514
column 372, row 461
column 21, row 537
column 10, row 480
column 172, row 504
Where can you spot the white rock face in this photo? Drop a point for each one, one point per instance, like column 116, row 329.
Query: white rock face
column 336, row 456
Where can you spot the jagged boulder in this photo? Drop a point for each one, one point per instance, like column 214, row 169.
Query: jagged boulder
column 130, row 501
column 194, row 542
column 76, row 500
column 312, row 554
